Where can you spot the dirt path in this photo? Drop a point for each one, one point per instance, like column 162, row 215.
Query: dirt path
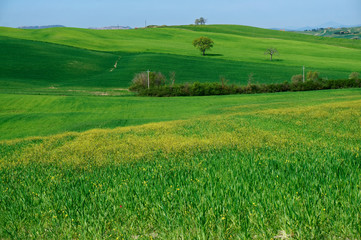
column 115, row 65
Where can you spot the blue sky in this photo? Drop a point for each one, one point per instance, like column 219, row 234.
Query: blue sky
column 259, row 13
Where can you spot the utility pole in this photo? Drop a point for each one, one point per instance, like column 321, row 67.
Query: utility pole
column 145, row 23
column 148, row 78
column 303, row 74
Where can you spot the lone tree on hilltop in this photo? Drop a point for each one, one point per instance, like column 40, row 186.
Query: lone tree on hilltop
column 271, row 52
column 203, row 44
column 201, row 21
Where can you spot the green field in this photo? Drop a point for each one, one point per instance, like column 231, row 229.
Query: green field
column 67, row 57
column 236, row 167
column 83, row 158
column 28, row 115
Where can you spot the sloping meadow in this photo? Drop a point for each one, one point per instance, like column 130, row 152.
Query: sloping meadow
column 291, row 172
column 64, row 57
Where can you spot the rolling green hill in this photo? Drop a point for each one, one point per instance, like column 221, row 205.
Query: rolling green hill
column 26, row 63
column 267, row 33
column 85, row 58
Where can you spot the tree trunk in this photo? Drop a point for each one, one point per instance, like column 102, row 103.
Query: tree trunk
column 204, row 52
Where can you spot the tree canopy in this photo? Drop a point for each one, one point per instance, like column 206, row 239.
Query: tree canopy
column 201, row 21
column 203, row 44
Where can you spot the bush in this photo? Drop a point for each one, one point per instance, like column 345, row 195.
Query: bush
column 140, row 80
column 312, row 76
column 354, row 76
column 297, row 78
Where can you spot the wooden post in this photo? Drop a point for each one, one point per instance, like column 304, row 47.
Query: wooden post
column 148, row 78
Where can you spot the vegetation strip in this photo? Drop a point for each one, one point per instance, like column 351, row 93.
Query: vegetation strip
column 156, row 85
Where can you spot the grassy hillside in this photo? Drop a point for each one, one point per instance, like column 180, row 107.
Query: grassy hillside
column 27, row 64
column 238, row 52
column 252, row 167
column 267, row 33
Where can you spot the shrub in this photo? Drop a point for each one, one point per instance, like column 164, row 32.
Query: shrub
column 297, row 78
column 250, row 78
column 354, row 76
column 312, row 76
column 196, row 89
column 140, row 80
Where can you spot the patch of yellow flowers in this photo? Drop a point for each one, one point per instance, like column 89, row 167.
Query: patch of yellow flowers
column 334, row 122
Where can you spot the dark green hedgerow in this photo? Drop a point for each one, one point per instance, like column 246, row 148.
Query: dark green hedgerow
column 206, row 89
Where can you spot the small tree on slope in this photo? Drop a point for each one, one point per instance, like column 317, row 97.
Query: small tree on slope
column 203, row 44
column 271, row 52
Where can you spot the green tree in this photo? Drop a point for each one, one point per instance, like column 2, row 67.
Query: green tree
column 203, row 44
column 201, row 21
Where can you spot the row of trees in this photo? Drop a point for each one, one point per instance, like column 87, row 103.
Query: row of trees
column 200, row 21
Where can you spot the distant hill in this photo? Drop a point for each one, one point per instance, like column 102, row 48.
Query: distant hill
column 343, row 32
column 111, row 28
column 40, row 27
column 324, row 25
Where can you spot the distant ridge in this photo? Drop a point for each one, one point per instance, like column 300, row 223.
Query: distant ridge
column 325, row 25
column 56, row 26
column 111, row 27
column 40, row 27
